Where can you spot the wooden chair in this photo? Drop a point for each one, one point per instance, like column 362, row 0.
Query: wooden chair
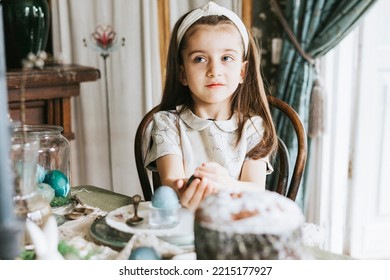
column 143, row 174
column 282, row 159
column 282, row 167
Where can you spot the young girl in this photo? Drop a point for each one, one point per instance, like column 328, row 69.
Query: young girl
column 214, row 121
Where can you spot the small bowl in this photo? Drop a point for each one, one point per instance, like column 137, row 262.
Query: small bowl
column 163, row 217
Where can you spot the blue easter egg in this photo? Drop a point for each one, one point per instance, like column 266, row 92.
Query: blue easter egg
column 165, row 197
column 46, row 191
column 59, row 182
column 40, row 174
column 144, row 253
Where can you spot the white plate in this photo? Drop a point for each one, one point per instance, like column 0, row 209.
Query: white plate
column 181, row 234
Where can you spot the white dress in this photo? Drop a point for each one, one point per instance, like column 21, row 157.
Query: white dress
column 198, row 140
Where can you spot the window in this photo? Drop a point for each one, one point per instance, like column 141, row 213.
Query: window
column 350, row 189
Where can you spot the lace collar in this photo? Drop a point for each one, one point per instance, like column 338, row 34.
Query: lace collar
column 193, row 121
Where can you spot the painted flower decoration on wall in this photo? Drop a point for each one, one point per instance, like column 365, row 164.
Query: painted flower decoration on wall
column 104, row 40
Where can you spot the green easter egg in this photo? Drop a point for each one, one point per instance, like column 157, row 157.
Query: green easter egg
column 144, row 253
column 59, row 182
column 46, row 191
column 41, row 173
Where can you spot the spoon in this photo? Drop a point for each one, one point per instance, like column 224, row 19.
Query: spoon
column 135, row 220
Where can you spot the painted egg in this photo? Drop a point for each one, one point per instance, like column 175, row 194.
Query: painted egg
column 144, row 253
column 40, row 174
column 165, row 197
column 46, row 191
column 59, row 182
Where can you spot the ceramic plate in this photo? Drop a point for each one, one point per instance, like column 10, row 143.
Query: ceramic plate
column 106, row 235
column 181, row 234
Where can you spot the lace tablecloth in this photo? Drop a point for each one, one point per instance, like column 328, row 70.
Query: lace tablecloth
column 76, row 233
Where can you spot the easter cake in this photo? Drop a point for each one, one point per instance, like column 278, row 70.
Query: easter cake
column 248, row 225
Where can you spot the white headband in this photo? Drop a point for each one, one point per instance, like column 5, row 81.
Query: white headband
column 210, row 9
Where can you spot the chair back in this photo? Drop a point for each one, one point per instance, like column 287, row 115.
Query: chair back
column 282, row 168
column 139, row 152
column 283, row 185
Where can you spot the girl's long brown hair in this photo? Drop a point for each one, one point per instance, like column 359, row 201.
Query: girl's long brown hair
column 248, row 100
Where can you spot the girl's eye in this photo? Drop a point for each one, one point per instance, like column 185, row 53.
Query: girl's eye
column 199, row 59
column 227, row 58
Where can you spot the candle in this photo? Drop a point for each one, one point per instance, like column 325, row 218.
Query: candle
column 9, row 225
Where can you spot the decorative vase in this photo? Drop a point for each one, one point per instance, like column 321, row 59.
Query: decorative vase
column 26, row 29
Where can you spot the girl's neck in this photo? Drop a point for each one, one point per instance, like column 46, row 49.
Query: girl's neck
column 214, row 112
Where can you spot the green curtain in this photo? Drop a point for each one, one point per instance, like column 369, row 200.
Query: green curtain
column 319, row 25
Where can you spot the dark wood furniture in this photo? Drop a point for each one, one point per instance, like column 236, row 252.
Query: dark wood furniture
column 48, row 93
column 139, row 154
column 284, row 185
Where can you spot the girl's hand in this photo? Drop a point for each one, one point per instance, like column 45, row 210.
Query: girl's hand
column 217, row 175
column 191, row 196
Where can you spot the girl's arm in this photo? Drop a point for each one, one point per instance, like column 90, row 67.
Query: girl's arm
column 171, row 172
column 253, row 175
column 254, row 171
column 170, row 169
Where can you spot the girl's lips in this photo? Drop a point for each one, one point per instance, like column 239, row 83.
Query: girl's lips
column 214, row 85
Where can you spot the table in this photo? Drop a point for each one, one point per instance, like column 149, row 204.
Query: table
column 90, row 234
column 117, row 247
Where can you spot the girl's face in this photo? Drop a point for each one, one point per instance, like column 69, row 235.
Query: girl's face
column 212, row 63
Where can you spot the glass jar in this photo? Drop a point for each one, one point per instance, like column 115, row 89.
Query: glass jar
column 53, row 166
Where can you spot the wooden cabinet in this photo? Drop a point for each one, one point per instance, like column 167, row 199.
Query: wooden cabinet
column 48, row 93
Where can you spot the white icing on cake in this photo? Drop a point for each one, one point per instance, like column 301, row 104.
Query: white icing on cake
column 262, row 212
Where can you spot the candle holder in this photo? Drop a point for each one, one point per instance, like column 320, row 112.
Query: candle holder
column 28, row 202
